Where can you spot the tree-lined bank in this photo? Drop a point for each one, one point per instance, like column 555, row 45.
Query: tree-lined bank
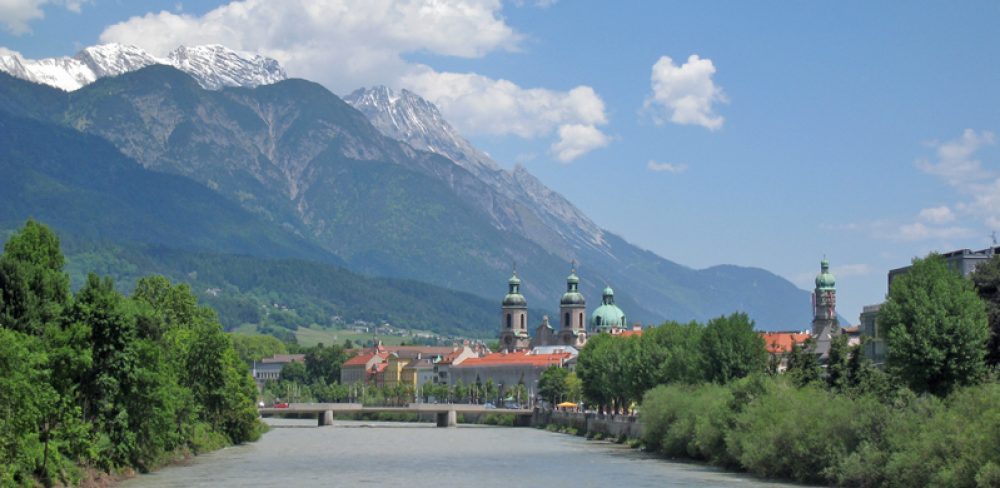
column 99, row 381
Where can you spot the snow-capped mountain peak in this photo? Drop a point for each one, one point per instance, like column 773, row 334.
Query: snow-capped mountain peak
column 216, row 66
column 213, row 66
column 407, row 117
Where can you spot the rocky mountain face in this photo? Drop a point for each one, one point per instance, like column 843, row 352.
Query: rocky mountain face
column 213, row 66
column 406, row 197
column 662, row 286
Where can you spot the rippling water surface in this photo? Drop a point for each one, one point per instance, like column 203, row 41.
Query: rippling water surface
column 296, row 453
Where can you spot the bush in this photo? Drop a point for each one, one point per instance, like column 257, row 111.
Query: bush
column 955, row 443
column 796, row 433
column 687, row 421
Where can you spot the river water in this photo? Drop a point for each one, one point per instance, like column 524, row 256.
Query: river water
column 352, row 453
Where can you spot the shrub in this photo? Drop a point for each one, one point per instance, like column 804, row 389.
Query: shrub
column 797, row 433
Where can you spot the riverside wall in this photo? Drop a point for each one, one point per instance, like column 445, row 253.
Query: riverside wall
column 628, row 426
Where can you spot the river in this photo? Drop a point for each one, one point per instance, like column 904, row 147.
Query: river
column 351, row 453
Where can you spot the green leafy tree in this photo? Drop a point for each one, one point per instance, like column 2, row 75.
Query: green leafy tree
column 731, row 349
column 34, row 289
column 803, row 365
column 552, row 384
column 986, row 277
column 838, row 364
column 323, row 363
column 936, row 328
column 25, row 398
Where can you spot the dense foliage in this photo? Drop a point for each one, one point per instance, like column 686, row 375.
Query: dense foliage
column 773, row 428
column 105, row 381
column 930, row 419
column 936, row 328
column 617, row 371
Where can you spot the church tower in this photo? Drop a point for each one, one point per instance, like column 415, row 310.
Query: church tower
column 572, row 308
column 824, row 325
column 514, row 317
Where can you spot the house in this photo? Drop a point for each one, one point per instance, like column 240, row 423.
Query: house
column 508, row 369
column 780, row 344
column 364, row 367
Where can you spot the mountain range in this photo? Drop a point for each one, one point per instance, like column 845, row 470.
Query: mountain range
column 378, row 181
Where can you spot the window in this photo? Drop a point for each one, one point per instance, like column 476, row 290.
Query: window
column 508, row 321
column 597, row 320
column 522, row 321
column 566, row 320
column 580, row 323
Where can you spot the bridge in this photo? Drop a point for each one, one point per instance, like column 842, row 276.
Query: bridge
column 446, row 414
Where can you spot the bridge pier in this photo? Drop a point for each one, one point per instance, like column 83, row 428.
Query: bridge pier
column 324, row 418
column 447, row 419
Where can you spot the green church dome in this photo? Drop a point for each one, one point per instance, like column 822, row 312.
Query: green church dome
column 825, row 280
column 514, row 298
column 572, row 295
column 608, row 315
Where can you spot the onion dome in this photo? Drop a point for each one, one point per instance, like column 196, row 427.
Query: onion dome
column 608, row 315
column 825, row 280
column 514, row 297
column 572, row 295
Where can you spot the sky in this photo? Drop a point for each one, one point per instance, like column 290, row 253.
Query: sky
column 766, row 134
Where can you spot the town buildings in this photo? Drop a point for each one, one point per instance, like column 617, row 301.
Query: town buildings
column 269, row 369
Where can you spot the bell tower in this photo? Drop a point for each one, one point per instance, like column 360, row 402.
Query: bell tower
column 824, row 324
column 572, row 309
column 514, row 317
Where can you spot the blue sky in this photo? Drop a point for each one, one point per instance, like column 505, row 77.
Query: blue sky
column 862, row 131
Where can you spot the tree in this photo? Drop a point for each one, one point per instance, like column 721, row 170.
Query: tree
column 552, row 384
column 838, row 364
column 323, row 363
column 986, row 277
column 803, row 365
column 731, row 349
column 936, row 328
column 34, row 290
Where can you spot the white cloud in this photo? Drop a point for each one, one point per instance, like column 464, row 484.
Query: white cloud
column 955, row 163
column 958, row 165
column 346, row 44
column 576, row 140
column 686, row 92
column 918, row 231
column 937, row 215
column 667, row 167
column 479, row 104
column 16, row 14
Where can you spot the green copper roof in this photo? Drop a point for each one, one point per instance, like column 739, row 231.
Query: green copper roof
column 572, row 278
column 514, row 280
column 572, row 295
column 825, row 280
column 514, row 297
column 608, row 315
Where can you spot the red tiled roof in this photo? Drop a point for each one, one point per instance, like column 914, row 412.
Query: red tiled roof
column 782, row 342
column 629, row 333
column 520, row 358
column 855, row 329
column 362, row 359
